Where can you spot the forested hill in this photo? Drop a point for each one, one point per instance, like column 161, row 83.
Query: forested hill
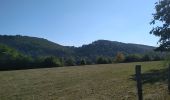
column 110, row 48
column 35, row 46
column 41, row 47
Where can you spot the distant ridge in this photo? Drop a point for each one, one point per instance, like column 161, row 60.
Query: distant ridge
column 34, row 46
column 42, row 47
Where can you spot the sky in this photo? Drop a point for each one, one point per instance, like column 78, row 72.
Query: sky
column 78, row 22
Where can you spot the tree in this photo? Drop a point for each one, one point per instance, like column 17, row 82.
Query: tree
column 70, row 62
column 146, row 57
column 83, row 62
column 120, row 57
column 102, row 60
column 163, row 31
column 52, row 62
column 157, row 58
column 133, row 58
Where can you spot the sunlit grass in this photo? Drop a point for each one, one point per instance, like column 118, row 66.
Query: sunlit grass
column 94, row 82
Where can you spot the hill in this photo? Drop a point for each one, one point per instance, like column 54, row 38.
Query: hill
column 110, row 48
column 35, row 46
column 41, row 47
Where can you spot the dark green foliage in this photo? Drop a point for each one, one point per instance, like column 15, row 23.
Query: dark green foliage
column 110, row 48
column 35, row 46
column 146, row 57
column 133, row 58
column 11, row 59
column 61, row 61
column 70, row 62
column 22, row 52
column 83, row 62
column 110, row 60
column 52, row 62
column 41, row 47
column 27, row 61
column 158, row 58
column 163, row 31
column 89, row 61
column 103, row 60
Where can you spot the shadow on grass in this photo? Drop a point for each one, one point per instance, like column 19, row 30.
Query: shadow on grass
column 153, row 76
column 23, row 68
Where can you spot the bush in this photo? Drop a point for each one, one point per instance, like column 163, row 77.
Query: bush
column 157, row 58
column 146, row 58
column 70, row 62
column 52, row 62
column 102, row 60
column 133, row 58
column 83, row 62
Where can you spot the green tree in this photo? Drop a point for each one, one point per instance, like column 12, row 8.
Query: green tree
column 163, row 31
column 146, row 57
column 83, row 62
column 133, row 58
column 157, row 58
column 52, row 62
column 102, row 60
column 70, row 62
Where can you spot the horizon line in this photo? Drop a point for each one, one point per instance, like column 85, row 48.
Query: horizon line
column 74, row 45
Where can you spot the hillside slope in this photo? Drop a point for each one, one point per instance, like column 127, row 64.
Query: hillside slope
column 110, row 48
column 35, row 46
column 41, row 47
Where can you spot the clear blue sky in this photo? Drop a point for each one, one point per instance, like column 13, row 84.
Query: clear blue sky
column 77, row 22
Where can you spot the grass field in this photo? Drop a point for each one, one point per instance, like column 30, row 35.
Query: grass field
column 94, row 82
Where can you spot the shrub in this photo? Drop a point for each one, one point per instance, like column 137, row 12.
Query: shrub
column 83, row 62
column 52, row 62
column 133, row 58
column 146, row 58
column 70, row 62
column 102, row 60
column 157, row 58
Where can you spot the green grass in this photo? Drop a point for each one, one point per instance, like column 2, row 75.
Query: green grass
column 95, row 82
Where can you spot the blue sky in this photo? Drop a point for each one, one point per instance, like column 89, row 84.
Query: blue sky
column 77, row 22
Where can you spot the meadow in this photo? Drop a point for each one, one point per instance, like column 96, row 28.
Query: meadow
column 89, row 82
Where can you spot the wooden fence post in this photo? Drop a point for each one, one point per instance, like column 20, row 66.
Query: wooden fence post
column 139, row 82
column 169, row 78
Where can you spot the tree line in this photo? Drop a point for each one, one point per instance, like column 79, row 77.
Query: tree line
column 11, row 59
